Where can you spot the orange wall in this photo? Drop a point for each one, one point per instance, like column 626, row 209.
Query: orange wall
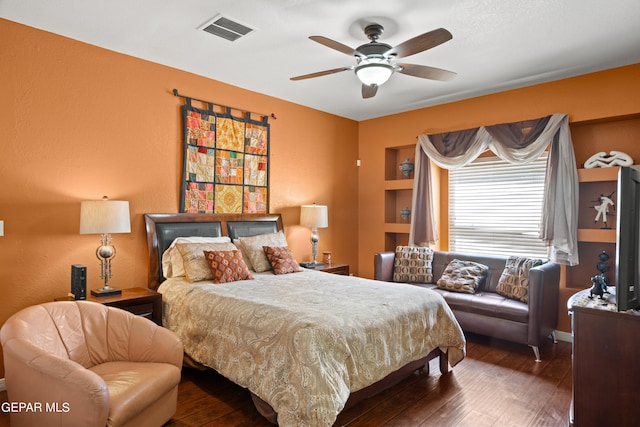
column 587, row 98
column 78, row 122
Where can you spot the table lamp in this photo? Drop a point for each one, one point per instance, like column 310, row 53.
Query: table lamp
column 314, row 217
column 105, row 217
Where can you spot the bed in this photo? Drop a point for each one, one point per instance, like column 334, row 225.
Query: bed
column 306, row 344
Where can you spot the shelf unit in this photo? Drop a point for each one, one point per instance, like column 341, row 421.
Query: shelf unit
column 592, row 238
column 398, row 190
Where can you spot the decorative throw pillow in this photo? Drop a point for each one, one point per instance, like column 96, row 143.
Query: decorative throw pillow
column 412, row 264
column 195, row 265
column 252, row 248
column 514, row 281
column 227, row 266
column 172, row 265
column 281, row 259
column 463, row 276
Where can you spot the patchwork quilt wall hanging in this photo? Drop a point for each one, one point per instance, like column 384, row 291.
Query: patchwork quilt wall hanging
column 226, row 161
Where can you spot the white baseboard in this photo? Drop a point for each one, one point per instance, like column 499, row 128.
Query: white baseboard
column 563, row 336
column 3, row 384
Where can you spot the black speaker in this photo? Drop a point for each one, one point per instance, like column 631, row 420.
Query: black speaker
column 79, row 281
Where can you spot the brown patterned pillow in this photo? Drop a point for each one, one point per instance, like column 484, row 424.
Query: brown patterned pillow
column 227, row 266
column 514, row 281
column 281, row 259
column 412, row 264
column 462, row 276
column 195, row 265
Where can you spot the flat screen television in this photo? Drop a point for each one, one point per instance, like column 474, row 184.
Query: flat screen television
column 628, row 239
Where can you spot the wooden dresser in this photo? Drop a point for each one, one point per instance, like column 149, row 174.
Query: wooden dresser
column 606, row 363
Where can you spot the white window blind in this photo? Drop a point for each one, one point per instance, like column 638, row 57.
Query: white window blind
column 495, row 207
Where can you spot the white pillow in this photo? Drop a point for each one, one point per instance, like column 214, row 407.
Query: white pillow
column 251, row 247
column 172, row 264
column 196, row 266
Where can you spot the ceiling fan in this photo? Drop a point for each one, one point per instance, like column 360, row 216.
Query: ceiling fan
column 376, row 61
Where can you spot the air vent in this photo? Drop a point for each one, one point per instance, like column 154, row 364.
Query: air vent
column 226, row 28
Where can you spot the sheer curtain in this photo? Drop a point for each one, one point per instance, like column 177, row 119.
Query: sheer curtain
column 518, row 142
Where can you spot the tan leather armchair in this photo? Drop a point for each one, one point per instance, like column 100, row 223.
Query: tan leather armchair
column 80, row 363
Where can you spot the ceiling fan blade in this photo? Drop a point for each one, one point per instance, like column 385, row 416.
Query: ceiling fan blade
column 336, row 45
column 426, row 72
column 369, row 91
column 420, row 43
column 321, row 73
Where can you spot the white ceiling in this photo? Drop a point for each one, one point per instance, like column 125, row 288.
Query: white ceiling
column 497, row 44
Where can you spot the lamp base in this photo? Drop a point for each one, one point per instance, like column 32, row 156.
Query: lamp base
column 311, row 264
column 105, row 292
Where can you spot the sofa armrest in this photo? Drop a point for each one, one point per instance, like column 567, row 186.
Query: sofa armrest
column 383, row 266
column 544, row 284
column 34, row 375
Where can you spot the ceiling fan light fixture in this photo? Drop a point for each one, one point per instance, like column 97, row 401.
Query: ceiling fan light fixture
column 374, row 73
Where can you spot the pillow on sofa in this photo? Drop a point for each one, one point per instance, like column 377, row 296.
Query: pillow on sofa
column 514, row 281
column 412, row 264
column 462, row 276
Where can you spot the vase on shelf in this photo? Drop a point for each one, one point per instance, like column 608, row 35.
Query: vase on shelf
column 405, row 213
column 406, row 167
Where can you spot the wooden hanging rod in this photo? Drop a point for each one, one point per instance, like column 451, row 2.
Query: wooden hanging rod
column 175, row 92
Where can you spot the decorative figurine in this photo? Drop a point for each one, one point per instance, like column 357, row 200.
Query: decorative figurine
column 603, row 209
column 600, row 281
column 599, row 286
column 406, row 167
column 615, row 158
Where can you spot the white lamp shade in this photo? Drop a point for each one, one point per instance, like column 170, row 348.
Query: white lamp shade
column 314, row 216
column 374, row 72
column 1, row 228
column 104, row 216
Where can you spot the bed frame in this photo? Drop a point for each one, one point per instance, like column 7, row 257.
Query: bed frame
column 162, row 229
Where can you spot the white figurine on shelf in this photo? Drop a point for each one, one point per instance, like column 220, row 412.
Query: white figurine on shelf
column 603, row 209
column 615, row 158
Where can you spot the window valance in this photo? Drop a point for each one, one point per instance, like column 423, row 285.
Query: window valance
column 518, row 142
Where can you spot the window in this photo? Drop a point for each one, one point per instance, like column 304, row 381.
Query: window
column 495, row 207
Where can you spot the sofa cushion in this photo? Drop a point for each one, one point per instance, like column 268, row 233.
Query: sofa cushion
column 412, row 264
column 462, row 276
column 485, row 303
column 514, row 281
column 153, row 380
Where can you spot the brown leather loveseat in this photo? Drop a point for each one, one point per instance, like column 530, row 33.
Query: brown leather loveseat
column 80, row 363
column 488, row 313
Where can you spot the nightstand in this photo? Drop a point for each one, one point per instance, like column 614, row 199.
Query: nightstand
column 141, row 301
column 333, row 268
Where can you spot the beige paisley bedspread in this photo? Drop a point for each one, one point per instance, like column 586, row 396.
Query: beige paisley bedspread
column 302, row 342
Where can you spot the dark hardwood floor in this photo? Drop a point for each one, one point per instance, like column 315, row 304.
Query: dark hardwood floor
column 497, row 384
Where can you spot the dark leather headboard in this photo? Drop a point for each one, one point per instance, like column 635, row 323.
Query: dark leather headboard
column 162, row 229
column 237, row 229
